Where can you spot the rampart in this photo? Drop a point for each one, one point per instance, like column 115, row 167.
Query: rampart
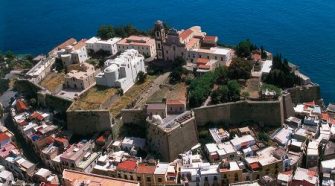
column 267, row 113
column 300, row 94
column 88, row 121
column 170, row 142
column 133, row 116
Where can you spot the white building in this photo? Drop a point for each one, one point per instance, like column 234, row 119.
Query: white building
column 243, row 142
column 40, row 70
column 96, row 44
column 144, row 45
column 222, row 55
column 73, row 54
column 200, row 175
column 122, row 71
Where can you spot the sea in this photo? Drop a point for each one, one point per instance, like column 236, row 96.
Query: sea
column 303, row 31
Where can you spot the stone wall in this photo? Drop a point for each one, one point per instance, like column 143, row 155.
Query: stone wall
column 133, row 116
column 169, row 144
column 27, row 88
column 57, row 103
column 88, row 122
column 264, row 112
column 305, row 93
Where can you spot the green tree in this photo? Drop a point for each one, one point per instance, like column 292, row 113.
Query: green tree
column 141, row 76
column 178, row 62
column 281, row 74
column 105, row 32
column 175, row 75
column 239, row 69
column 10, row 55
column 234, row 90
column 244, row 48
column 245, row 95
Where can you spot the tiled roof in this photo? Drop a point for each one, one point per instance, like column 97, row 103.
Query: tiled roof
column 68, row 42
column 185, row 34
column 128, row 165
column 3, row 137
column 36, row 115
column 80, row 44
column 202, row 61
column 210, row 38
column 325, row 116
column 145, row 169
column 255, row 165
column 21, row 106
column 204, row 67
column 75, row 177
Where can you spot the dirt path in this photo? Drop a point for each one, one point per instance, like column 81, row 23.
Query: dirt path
column 154, row 87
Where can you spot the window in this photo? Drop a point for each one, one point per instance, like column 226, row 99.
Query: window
column 131, row 177
column 138, row 178
column 215, row 178
column 206, row 178
column 160, row 180
column 148, row 179
column 159, row 45
column 126, row 177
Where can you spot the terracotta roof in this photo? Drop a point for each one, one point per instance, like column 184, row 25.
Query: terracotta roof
column 210, row 38
column 68, row 42
column 75, row 177
column 21, row 106
column 36, row 115
column 192, row 42
column 175, row 102
column 206, row 67
column 146, row 169
column 128, row 166
column 310, row 104
column 80, row 44
column 185, row 34
column 325, row 116
column 255, row 165
column 101, row 139
column 203, row 61
column 4, row 136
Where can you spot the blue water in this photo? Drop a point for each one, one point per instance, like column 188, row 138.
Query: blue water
column 302, row 30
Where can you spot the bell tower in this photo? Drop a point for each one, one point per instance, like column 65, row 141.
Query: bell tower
column 159, row 38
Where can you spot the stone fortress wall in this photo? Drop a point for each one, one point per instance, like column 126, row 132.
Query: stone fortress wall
column 300, row 94
column 265, row 112
column 172, row 142
column 88, row 121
